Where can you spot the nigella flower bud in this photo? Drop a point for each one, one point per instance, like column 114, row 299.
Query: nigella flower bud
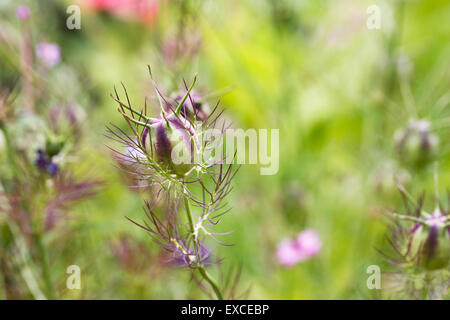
column 416, row 144
column 429, row 243
column 174, row 143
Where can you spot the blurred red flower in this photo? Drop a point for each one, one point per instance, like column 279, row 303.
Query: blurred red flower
column 144, row 11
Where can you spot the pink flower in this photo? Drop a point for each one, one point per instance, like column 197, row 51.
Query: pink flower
column 293, row 251
column 145, row 11
column 23, row 12
column 48, row 53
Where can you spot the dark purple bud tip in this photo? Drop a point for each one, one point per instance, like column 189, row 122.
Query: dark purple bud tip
column 42, row 161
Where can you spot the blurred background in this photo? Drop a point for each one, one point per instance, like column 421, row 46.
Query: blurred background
column 337, row 91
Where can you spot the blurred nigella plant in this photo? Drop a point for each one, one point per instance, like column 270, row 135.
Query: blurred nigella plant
column 420, row 242
column 198, row 185
column 37, row 183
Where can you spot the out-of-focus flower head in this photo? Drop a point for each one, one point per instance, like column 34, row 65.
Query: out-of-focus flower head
column 305, row 246
column 427, row 241
column 416, row 144
column 48, row 53
column 45, row 163
column 45, row 158
column 182, row 47
column 419, row 248
column 67, row 120
column 144, row 11
column 23, row 12
column 430, row 240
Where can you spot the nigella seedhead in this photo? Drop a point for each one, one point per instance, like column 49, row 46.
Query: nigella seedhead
column 429, row 240
column 169, row 152
column 167, row 132
column 426, row 242
column 168, row 148
column 416, row 144
column 45, row 157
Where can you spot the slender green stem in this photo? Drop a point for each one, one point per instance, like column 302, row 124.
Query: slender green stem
column 211, row 281
column 26, row 268
column 178, row 109
column 410, row 218
column 189, row 215
column 201, row 269
column 426, row 286
column 44, row 264
column 9, row 150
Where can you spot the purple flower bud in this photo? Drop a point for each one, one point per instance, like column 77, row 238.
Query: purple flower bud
column 48, row 53
column 23, row 12
column 293, row 251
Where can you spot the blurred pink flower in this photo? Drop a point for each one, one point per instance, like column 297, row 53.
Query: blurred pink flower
column 142, row 10
column 23, row 12
column 48, row 53
column 305, row 246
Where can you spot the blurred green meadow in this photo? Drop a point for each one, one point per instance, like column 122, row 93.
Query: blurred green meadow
column 335, row 89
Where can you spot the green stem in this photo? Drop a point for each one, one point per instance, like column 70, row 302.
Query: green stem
column 44, row 264
column 201, row 269
column 426, row 285
column 211, row 281
column 9, row 150
column 178, row 109
column 189, row 215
